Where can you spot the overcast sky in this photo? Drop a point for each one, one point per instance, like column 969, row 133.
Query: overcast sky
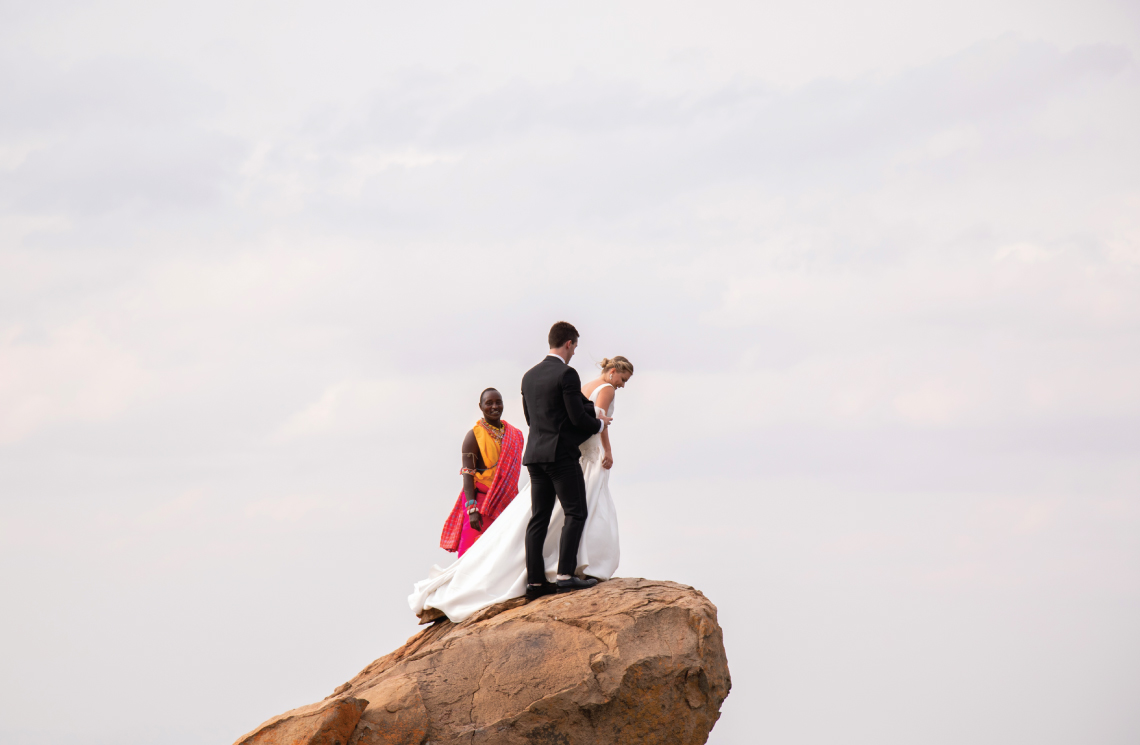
column 877, row 266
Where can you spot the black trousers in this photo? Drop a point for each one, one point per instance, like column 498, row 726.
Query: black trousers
column 548, row 481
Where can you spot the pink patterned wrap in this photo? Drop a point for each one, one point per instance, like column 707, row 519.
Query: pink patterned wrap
column 504, row 489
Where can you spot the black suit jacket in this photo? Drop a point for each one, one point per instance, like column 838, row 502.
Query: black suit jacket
column 559, row 416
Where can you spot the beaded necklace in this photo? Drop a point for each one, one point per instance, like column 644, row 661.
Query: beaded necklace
column 496, row 433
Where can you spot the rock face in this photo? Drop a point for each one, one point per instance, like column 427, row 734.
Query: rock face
column 629, row 661
column 329, row 723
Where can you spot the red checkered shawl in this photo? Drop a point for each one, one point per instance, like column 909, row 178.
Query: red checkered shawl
column 503, row 490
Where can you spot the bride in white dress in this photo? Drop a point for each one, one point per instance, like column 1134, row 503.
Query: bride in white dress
column 494, row 569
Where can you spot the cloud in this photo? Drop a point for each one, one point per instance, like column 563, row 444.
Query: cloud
column 882, row 300
column 75, row 375
column 110, row 135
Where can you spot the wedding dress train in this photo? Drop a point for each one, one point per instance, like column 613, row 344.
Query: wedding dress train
column 494, row 569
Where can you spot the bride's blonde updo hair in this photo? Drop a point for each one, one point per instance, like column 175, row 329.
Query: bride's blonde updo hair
column 619, row 363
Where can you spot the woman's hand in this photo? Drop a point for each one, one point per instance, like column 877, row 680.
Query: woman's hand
column 607, row 460
column 476, row 521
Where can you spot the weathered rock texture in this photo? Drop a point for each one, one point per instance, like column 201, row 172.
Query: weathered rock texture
column 629, row 661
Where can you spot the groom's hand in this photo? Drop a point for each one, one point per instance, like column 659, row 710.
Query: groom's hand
column 605, row 419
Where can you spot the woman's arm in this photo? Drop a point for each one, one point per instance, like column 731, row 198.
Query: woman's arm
column 605, row 398
column 471, row 458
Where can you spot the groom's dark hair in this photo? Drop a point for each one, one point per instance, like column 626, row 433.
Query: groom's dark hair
column 560, row 333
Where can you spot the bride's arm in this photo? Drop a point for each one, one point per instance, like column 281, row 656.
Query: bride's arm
column 605, row 398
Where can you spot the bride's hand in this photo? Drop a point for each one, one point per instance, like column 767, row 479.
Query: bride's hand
column 607, row 461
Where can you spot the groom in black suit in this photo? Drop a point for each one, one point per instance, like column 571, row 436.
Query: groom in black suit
column 560, row 419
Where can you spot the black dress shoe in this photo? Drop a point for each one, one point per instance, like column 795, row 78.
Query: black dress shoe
column 569, row 585
column 546, row 588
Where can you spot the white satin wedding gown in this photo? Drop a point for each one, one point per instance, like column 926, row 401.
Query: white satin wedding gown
column 494, row 569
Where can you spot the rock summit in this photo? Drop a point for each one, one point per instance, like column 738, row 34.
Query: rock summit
column 628, row 661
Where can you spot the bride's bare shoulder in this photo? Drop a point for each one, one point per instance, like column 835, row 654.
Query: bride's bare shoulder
column 589, row 388
column 605, row 396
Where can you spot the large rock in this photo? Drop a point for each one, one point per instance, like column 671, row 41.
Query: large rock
column 330, row 722
column 629, row 661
